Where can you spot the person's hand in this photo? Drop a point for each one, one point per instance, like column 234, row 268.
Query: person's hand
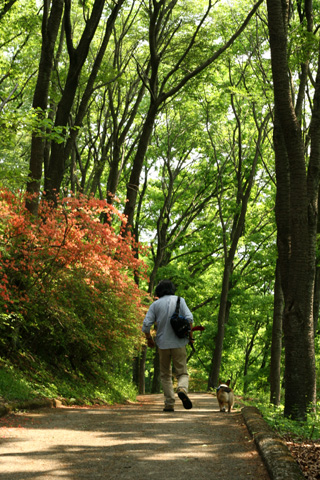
column 151, row 342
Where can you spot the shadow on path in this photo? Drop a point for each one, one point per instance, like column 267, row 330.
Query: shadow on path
column 127, row 442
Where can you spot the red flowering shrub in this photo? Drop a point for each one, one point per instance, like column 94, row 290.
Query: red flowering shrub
column 67, row 281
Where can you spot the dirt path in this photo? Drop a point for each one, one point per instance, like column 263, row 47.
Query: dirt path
column 129, row 442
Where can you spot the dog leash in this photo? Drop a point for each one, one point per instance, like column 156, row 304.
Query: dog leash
column 199, row 328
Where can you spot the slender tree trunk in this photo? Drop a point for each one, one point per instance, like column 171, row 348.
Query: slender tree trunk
column 217, row 354
column 159, row 19
column 138, row 370
column 276, row 345
column 134, row 181
column 245, row 371
column 120, row 131
column 82, row 110
column 142, row 368
column 249, row 349
column 135, row 371
column 77, row 57
column 156, row 382
column 243, row 195
column 50, row 29
column 5, row 7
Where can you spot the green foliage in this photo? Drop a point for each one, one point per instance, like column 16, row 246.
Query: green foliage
column 13, row 385
column 68, row 297
column 67, row 280
column 30, row 377
column 309, row 429
column 44, row 127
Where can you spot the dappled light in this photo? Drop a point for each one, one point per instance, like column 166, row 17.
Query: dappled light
column 130, row 441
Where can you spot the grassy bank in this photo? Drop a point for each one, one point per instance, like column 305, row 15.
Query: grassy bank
column 28, row 378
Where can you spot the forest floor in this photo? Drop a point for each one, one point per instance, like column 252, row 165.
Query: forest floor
column 126, row 442
column 307, row 455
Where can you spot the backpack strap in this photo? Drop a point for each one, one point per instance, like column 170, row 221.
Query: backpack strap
column 177, row 306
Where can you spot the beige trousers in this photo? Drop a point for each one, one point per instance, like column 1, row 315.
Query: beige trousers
column 178, row 356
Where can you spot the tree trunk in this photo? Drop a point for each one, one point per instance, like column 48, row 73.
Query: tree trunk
column 297, row 220
column 276, row 345
column 122, row 123
column 77, row 57
column 138, row 370
column 142, row 368
column 50, row 29
column 316, row 302
column 6, row 7
column 82, row 110
column 156, row 382
column 243, row 195
column 159, row 16
column 248, row 352
column 133, row 185
column 217, row 354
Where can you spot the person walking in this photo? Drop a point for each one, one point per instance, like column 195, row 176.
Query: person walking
column 172, row 349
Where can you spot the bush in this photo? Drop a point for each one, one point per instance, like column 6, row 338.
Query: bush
column 68, row 293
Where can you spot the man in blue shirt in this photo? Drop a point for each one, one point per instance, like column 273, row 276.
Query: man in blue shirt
column 171, row 348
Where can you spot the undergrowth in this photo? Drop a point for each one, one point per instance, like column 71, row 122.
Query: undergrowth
column 19, row 382
column 284, row 426
column 308, row 429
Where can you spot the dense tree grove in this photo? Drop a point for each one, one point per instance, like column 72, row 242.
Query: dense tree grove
column 151, row 139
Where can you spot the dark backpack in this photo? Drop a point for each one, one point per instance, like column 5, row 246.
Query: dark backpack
column 180, row 324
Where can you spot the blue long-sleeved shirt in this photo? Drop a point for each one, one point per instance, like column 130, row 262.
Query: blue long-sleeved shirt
column 160, row 312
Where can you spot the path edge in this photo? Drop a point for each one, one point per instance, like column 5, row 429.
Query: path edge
column 273, row 450
column 33, row 404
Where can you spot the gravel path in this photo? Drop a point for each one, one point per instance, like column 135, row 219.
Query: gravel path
column 127, row 442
